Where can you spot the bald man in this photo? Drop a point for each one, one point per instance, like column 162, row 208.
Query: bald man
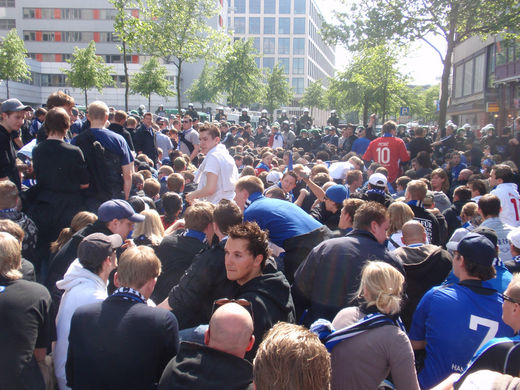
column 220, row 363
column 426, row 265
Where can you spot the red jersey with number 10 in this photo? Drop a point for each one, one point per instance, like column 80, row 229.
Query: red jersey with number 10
column 387, row 151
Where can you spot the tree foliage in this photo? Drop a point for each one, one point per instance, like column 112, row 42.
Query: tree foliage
column 238, row 76
column 131, row 31
column 87, row 70
column 314, row 95
column 151, row 79
column 181, row 33
column 370, row 83
column 374, row 22
column 204, row 89
column 278, row 92
column 12, row 59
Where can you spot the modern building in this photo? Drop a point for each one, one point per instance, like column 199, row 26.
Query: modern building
column 485, row 83
column 51, row 29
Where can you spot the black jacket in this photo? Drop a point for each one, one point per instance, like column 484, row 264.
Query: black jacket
column 117, row 128
column 144, row 141
column 198, row 367
column 452, row 215
column 321, row 214
column 430, row 223
column 176, row 253
column 203, row 282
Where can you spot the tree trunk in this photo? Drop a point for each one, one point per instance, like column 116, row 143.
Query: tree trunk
column 86, row 103
column 365, row 111
column 149, row 103
column 179, row 71
column 445, row 80
column 385, row 88
column 125, row 66
column 7, row 87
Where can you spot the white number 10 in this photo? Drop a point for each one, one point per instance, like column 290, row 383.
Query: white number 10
column 383, row 155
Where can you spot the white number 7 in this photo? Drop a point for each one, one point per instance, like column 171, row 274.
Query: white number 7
column 475, row 321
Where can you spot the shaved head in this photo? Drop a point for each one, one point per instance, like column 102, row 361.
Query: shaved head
column 230, row 330
column 413, row 232
column 465, row 174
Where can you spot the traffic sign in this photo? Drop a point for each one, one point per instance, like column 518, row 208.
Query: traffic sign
column 405, row 111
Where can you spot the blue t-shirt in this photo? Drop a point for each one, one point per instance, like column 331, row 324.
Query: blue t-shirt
column 455, row 321
column 499, row 282
column 114, row 143
column 283, row 219
column 360, row 145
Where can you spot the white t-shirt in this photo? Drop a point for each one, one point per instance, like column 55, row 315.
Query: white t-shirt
column 510, row 203
column 338, row 170
column 219, row 162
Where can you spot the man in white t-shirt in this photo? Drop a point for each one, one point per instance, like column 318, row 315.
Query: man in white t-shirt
column 507, row 192
column 217, row 175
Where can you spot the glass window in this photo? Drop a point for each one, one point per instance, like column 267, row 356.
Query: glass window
column 7, row 24
column 257, row 60
column 284, row 25
column 254, row 6
column 240, row 25
column 459, row 77
column 298, row 46
column 269, row 24
column 299, row 6
column 268, row 62
column 299, row 26
column 256, row 44
column 28, row 13
column 284, row 46
column 7, row 3
column 517, row 50
column 297, row 65
column 479, row 74
column 284, row 63
column 254, row 25
column 501, row 53
column 468, row 77
column 269, row 46
column 269, row 6
column 297, row 84
column 284, row 6
column 240, row 6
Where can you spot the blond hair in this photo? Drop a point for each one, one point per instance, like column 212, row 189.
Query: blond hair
column 381, row 286
column 198, row 216
column 80, row 220
column 10, row 256
column 97, row 110
column 152, row 227
column 137, row 266
column 398, row 214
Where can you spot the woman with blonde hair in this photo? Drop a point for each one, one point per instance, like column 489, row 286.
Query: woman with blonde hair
column 398, row 214
column 150, row 232
column 440, row 181
column 370, row 342
column 79, row 221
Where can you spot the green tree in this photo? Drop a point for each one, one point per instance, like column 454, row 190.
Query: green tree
column 131, row 32
column 87, row 70
column 373, row 22
column 370, row 83
column 314, row 95
column 431, row 98
column 151, row 79
column 204, row 89
column 12, row 59
column 238, row 76
column 278, row 92
column 181, row 33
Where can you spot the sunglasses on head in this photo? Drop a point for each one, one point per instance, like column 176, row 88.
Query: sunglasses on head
column 508, row 298
column 242, row 302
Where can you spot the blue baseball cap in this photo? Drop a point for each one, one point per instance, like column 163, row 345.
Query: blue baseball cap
column 118, row 209
column 337, row 193
column 477, row 248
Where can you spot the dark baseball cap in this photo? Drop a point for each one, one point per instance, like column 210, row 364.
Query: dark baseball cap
column 96, row 247
column 13, row 105
column 477, row 248
column 489, row 233
column 118, row 209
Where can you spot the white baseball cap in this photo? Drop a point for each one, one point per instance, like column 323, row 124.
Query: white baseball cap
column 378, row 179
column 514, row 237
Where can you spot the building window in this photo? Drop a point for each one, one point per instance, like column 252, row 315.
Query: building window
column 468, row 78
column 284, row 25
column 298, row 46
column 479, row 74
column 299, row 6
column 7, row 24
column 269, row 45
column 284, row 46
column 254, row 25
column 284, row 63
column 269, row 6
column 459, row 78
column 298, row 65
column 268, row 62
column 240, row 25
column 256, row 44
column 269, row 25
column 284, row 6
column 7, row 3
column 297, row 84
column 257, row 60
column 254, row 6
column 299, row 26
column 240, row 6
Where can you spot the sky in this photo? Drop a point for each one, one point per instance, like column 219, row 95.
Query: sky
column 422, row 64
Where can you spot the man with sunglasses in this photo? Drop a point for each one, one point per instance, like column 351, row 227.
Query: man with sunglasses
column 219, row 363
column 189, row 138
column 452, row 322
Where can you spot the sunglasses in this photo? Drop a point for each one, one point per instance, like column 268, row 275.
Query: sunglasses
column 508, row 298
column 242, row 302
column 186, row 121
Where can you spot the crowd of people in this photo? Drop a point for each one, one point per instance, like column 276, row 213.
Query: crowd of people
column 140, row 251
